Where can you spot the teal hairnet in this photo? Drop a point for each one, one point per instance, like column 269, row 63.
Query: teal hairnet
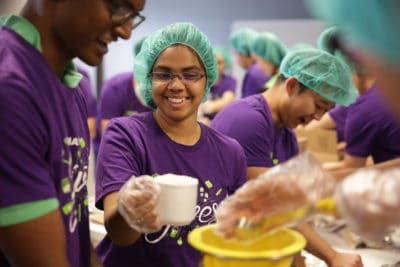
column 321, row 72
column 178, row 33
column 300, row 45
column 327, row 41
column 138, row 45
column 373, row 25
column 269, row 47
column 218, row 49
column 242, row 39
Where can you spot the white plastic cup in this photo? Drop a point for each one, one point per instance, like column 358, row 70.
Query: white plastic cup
column 177, row 202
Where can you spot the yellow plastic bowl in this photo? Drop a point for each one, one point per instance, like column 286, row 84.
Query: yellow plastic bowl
column 272, row 250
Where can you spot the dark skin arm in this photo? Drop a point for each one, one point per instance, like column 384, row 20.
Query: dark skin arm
column 38, row 242
column 118, row 230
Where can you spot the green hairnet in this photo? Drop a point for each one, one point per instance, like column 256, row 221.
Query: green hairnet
column 373, row 25
column 138, row 45
column 241, row 40
column 269, row 47
column 218, row 49
column 321, row 72
column 178, row 33
column 300, row 45
column 327, row 41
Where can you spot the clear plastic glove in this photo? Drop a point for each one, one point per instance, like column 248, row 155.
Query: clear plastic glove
column 370, row 201
column 296, row 183
column 207, row 107
column 137, row 204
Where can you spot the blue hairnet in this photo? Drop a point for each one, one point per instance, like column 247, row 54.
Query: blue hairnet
column 178, row 33
column 138, row 45
column 373, row 25
column 269, row 47
column 328, row 41
column 321, row 72
column 242, row 39
column 218, row 49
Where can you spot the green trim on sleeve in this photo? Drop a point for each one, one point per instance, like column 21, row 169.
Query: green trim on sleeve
column 26, row 211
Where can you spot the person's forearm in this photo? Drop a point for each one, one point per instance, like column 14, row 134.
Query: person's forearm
column 340, row 174
column 316, row 245
column 117, row 229
column 94, row 260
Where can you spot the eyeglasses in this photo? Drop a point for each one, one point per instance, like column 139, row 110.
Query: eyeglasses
column 166, row 77
column 122, row 12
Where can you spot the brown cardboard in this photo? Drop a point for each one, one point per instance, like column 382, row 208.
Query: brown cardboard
column 322, row 143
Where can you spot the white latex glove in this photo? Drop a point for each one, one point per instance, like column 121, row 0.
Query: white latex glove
column 137, row 204
column 296, row 183
column 370, row 201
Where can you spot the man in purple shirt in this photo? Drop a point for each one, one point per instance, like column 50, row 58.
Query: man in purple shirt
column 370, row 130
column 44, row 137
column 241, row 41
column 268, row 52
column 262, row 123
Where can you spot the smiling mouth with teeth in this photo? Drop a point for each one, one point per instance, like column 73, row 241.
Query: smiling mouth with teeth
column 177, row 100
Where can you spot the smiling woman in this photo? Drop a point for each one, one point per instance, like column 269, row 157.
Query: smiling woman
column 175, row 69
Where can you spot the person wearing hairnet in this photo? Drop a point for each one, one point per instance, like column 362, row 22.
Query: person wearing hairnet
column 241, row 41
column 335, row 119
column 369, row 198
column 268, row 52
column 44, row 137
column 311, row 82
column 119, row 97
column 175, row 70
column 371, row 37
column 224, row 91
column 369, row 127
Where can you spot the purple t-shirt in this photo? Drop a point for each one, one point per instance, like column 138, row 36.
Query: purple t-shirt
column 227, row 83
column 249, row 121
column 117, row 99
column 254, row 81
column 136, row 145
column 90, row 99
column 371, row 129
column 339, row 115
column 44, row 141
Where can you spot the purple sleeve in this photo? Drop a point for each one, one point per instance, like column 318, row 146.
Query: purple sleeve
column 254, row 143
column 117, row 161
column 24, row 173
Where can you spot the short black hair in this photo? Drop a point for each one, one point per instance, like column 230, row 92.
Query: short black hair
column 282, row 79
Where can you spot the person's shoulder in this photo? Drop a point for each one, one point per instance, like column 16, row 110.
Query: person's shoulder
column 134, row 123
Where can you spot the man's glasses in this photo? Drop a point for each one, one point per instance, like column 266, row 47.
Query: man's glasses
column 122, row 12
column 166, row 77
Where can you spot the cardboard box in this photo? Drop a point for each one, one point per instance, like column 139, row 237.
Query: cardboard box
column 321, row 143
